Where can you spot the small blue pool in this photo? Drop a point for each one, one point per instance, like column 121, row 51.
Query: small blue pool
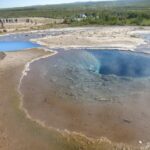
column 8, row 46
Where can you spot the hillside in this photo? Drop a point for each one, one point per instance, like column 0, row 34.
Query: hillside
column 120, row 12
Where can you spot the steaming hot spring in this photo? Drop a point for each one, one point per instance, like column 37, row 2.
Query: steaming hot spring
column 93, row 92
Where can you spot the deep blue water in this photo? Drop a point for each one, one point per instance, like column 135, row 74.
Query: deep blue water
column 121, row 63
column 16, row 45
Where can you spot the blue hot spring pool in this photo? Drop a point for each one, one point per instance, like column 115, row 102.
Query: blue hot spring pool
column 16, row 45
column 121, row 63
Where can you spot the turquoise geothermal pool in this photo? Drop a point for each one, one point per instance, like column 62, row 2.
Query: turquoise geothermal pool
column 7, row 46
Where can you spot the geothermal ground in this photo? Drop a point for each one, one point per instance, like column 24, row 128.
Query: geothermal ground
column 61, row 100
column 76, row 97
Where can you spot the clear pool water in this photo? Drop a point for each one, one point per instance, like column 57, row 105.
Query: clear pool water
column 16, row 45
column 121, row 63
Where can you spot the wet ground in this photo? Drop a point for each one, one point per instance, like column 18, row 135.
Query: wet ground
column 77, row 90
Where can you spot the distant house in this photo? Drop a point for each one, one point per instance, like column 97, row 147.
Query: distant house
column 80, row 17
column 83, row 16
